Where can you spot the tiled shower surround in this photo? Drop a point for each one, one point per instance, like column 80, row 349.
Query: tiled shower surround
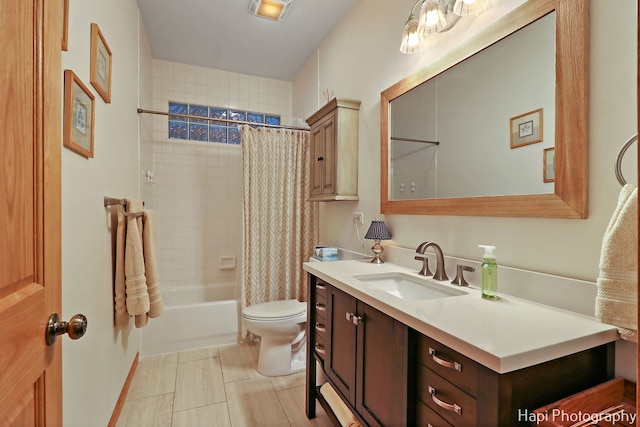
column 196, row 189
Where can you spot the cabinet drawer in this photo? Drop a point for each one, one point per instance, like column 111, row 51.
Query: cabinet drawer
column 450, row 402
column 427, row 417
column 319, row 346
column 321, row 289
column 449, row 364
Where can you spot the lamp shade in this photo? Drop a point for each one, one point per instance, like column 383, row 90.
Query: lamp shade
column 410, row 37
column 468, row 7
column 432, row 19
column 378, row 231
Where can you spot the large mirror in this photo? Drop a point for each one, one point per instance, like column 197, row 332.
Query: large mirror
column 497, row 128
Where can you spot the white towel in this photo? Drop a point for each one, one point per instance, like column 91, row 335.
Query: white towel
column 341, row 411
column 617, row 297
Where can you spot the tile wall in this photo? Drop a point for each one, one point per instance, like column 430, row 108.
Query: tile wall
column 196, row 189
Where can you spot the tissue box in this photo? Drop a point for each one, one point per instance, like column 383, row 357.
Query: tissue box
column 325, row 253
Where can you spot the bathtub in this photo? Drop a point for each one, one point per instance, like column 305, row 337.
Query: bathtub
column 193, row 317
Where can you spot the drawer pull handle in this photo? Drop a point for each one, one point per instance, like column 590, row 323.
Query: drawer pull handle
column 445, row 363
column 319, row 348
column 320, row 307
column 444, row 405
column 321, row 286
column 320, row 327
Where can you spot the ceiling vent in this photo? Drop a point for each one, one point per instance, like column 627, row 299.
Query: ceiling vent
column 270, row 9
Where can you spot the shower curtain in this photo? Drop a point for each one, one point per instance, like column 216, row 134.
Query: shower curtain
column 279, row 222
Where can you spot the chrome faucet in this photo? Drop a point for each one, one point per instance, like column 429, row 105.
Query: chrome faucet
column 440, row 274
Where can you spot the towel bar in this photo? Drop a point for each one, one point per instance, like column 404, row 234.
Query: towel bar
column 110, row 201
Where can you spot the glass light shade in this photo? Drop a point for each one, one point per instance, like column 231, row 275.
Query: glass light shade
column 432, row 19
column 469, row 7
column 410, row 36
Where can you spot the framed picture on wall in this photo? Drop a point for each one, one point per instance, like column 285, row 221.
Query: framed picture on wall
column 100, row 70
column 79, row 115
column 549, row 165
column 65, row 24
column 526, row 128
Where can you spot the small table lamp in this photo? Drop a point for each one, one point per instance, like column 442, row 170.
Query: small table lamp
column 377, row 231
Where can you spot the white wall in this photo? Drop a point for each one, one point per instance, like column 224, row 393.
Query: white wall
column 95, row 367
column 570, row 248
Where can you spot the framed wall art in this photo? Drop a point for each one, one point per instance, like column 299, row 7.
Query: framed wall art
column 549, row 165
column 79, row 115
column 100, row 70
column 526, row 128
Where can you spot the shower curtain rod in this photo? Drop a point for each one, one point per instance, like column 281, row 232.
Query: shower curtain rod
column 240, row 122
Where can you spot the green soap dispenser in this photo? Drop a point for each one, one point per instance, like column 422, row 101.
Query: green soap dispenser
column 489, row 273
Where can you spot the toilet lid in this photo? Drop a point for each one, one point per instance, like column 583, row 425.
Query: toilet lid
column 275, row 309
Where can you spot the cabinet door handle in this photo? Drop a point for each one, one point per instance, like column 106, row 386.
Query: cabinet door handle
column 356, row 319
column 321, row 286
column 319, row 348
column 444, row 405
column 320, row 158
column 445, row 363
column 320, row 327
column 320, row 307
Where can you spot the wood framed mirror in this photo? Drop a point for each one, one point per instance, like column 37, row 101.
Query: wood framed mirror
column 570, row 188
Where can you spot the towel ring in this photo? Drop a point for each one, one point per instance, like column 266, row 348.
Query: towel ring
column 623, row 150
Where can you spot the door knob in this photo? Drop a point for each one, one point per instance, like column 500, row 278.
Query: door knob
column 75, row 327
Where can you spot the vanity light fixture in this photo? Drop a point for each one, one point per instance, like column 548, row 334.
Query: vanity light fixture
column 436, row 16
column 270, row 9
column 377, row 231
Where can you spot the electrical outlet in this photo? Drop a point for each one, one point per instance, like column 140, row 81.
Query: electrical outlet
column 358, row 217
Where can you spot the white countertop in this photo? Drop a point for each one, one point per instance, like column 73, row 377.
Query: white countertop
column 504, row 335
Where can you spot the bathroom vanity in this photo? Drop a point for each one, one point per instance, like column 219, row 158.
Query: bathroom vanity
column 402, row 350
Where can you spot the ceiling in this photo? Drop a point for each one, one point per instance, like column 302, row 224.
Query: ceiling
column 222, row 34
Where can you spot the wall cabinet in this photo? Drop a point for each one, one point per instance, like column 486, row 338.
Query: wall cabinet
column 334, row 151
column 391, row 375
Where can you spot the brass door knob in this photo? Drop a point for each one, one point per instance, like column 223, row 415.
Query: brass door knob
column 75, row 327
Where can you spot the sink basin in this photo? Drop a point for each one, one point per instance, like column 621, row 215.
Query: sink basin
column 404, row 286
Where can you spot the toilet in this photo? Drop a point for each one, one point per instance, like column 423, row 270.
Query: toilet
column 281, row 327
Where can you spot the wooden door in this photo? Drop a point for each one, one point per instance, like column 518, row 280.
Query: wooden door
column 341, row 343
column 30, row 263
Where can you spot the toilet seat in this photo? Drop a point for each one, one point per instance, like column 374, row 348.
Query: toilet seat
column 275, row 310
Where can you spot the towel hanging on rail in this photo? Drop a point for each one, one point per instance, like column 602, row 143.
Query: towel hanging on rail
column 617, row 295
column 137, row 292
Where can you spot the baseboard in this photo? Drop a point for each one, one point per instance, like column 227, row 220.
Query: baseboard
column 123, row 394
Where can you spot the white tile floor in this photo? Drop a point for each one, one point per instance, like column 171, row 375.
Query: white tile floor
column 211, row 387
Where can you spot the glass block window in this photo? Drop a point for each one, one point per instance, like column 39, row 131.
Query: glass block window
column 194, row 129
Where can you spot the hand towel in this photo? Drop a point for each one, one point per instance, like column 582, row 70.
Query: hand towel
column 341, row 411
column 120, row 295
column 617, row 296
column 150, row 264
column 135, row 279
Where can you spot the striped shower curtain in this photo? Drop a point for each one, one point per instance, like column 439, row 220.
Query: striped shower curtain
column 279, row 221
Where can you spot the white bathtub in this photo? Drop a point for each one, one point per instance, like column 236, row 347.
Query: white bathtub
column 194, row 317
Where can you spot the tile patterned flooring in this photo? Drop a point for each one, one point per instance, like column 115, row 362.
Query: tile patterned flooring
column 214, row 387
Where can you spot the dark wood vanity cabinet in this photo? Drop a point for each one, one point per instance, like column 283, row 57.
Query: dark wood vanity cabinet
column 391, row 375
column 453, row 390
column 365, row 359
